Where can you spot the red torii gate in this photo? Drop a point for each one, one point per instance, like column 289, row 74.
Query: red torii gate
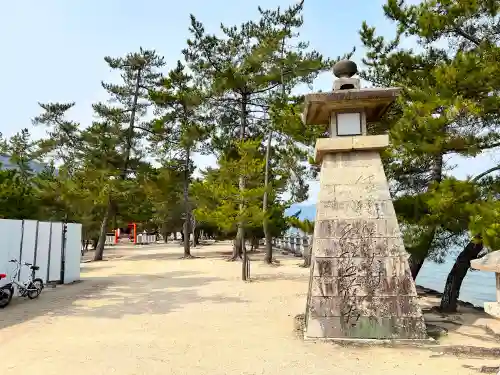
column 133, row 226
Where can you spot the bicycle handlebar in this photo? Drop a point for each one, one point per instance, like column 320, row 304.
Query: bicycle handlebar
column 21, row 263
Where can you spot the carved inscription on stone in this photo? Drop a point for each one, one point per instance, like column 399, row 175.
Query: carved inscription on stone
column 388, row 286
column 357, row 228
column 378, row 306
column 384, row 266
column 356, row 175
column 346, row 193
column 355, row 209
column 358, row 247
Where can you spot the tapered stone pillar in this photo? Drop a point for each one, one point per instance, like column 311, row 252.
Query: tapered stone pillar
column 360, row 285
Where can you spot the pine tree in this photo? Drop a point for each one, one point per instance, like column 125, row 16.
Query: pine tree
column 62, row 142
column 234, row 68
column 3, row 145
column 240, row 69
column 181, row 130
column 18, row 199
column 22, row 152
column 164, row 192
column 139, row 74
column 449, row 107
column 58, row 188
column 296, row 64
column 220, row 198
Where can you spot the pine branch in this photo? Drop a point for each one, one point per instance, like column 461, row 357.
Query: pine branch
column 485, row 173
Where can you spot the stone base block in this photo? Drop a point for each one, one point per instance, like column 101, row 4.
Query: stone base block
column 325, row 146
column 376, row 342
column 388, row 328
column 493, row 309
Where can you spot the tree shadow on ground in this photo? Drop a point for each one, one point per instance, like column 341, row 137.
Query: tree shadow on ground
column 469, row 326
column 178, row 255
column 95, row 266
column 280, row 276
column 115, row 296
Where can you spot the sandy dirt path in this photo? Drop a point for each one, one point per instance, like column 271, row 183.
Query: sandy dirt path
column 144, row 311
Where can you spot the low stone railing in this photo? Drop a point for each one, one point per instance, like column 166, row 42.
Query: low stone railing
column 145, row 238
column 296, row 244
column 141, row 239
column 110, row 239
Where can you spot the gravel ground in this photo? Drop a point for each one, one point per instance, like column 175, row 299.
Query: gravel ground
column 144, row 311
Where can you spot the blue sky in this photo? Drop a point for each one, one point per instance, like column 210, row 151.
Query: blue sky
column 53, row 50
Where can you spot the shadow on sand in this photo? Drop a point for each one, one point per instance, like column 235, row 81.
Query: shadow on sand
column 115, row 296
column 198, row 253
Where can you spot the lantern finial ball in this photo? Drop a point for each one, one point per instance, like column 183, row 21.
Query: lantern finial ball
column 345, row 69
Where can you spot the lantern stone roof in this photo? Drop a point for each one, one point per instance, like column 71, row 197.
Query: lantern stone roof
column 374, row 101
column 490, row 262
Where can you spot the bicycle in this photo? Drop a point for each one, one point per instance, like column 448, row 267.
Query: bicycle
column 30, row 288
column 5, row 293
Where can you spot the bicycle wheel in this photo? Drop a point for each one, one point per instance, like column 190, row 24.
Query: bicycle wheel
column 35, row 288
column 5, row 296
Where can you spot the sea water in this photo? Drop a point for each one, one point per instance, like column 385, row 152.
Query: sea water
column 478, row 286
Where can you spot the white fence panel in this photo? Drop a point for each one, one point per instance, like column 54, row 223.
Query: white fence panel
column 42, row 250
column 55, row 255
column 10, row 234
column 40, row 243
column 72, row 253
column 110, row 239
column 28, row 246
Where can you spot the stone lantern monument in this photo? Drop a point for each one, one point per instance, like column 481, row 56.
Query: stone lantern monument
column 360, row 285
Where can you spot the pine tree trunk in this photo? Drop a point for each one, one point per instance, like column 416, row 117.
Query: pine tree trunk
column 163, row 231
column 244, row 264
column 241, row 185
column 196, row 236
column 457, row 274
column 239, row 250
column 417, row 260
column 130, row 132
column 268, row 258
column 436, row 175
column 255, row 243
column 186, row 240
column 129, row 138
column 187, row 208
column 415, row 266
column 99, row 251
